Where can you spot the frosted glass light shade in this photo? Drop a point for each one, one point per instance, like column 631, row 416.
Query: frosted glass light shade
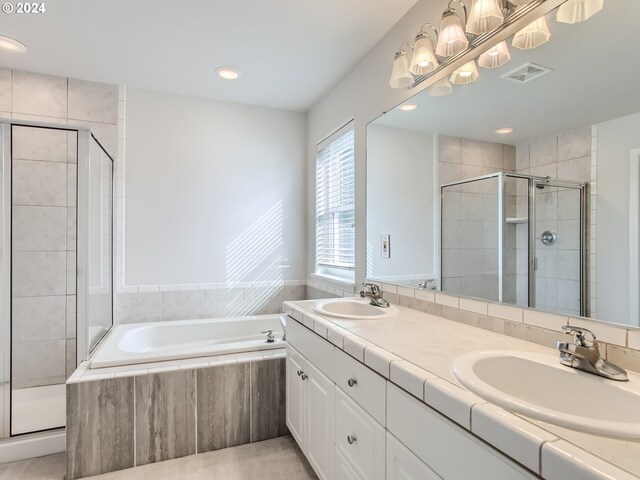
column 452, row 39
column 441, row 88
column 575, row 11
column 468, row 73
column 533, row 35
column 485, row 15
column 495, row 57
column 400, row 75
column 423, row 60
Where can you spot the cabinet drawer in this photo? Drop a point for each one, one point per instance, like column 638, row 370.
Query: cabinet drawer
column 441, row 444
column 362, row 384
column 404, row 465
column 359, row 438
column 317, row 350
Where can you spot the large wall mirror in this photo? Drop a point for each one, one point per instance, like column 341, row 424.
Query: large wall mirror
column 522, row 186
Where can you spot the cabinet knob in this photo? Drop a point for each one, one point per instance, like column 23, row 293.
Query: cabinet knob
column 351, row 439
column 304, row 376
column 299, row 372
column 352, row 382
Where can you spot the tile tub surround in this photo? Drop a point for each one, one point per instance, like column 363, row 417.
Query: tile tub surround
column 420, row 349
column 162, row 303
column 143, row 414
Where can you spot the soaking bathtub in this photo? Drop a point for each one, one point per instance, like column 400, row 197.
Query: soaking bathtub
column 161, row 341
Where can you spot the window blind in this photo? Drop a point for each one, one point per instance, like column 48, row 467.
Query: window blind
column 335, row 201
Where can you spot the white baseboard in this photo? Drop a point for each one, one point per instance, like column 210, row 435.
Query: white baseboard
column 32, row 446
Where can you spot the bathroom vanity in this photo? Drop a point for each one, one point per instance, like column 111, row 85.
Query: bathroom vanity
column 376, row 398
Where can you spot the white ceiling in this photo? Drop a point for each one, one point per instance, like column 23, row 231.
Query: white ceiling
column 594, row 79
column 289, row 51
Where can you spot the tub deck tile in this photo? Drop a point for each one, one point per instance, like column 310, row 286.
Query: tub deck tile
column 100, row 434
column 165, row 416
column 223, row 406
column 268, row 418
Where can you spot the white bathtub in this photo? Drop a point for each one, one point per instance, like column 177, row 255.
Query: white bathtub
column 161, row 341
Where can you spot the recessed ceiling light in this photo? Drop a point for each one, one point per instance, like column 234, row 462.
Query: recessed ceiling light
column 228, row 73
column 408, row 107
column 504, row 130
column 12, row 45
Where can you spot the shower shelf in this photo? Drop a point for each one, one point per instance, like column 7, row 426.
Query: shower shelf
column 517, row 219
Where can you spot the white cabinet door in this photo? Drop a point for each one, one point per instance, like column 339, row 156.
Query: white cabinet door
column 343, row 469
column 359, row 438
column 296, row 396
column 404, row 465
column 319, row 422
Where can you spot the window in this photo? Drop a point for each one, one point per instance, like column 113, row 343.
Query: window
column 335, row 205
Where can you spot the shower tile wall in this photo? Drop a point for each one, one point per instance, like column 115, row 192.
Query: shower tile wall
column 470, row 228
column 44, row 328
column 566, row 156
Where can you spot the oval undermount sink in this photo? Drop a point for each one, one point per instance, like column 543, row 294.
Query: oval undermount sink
column 537, row 386
column 353, row 309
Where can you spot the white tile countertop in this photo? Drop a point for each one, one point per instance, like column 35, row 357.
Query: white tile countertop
column 416, row 351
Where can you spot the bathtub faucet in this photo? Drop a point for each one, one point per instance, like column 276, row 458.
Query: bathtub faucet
column 270, row 336
column 283, row 322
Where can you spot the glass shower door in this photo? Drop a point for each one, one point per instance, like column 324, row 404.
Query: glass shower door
column 43, row 274
column 558, row 248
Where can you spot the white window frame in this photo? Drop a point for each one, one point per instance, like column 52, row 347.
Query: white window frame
column 340, row 273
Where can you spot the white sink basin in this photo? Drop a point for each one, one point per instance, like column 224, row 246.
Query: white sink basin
column 354, row 309
column 536, row 385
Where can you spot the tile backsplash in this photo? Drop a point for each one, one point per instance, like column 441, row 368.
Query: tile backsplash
column 618, row 343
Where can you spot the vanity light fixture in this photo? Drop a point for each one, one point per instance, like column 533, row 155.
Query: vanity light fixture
column 452, row 39
column 12, row 45
column 533, row 35
column 504, row 130
column 485, row 15
column 441, row 88
column 467, row 73
column 495, row 57
column 424, row 59
column 409, row 107
column 401, row 77
column 575, row 11
column 228, row 73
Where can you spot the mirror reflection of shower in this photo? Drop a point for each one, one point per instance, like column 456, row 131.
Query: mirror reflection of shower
column 517, row 239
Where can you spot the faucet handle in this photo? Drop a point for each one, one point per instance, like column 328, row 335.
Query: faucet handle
column 580, row 335
column 372, row 287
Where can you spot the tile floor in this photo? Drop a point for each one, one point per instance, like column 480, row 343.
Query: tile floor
column 279, row 458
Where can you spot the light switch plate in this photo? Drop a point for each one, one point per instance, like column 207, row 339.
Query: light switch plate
column 386, row 246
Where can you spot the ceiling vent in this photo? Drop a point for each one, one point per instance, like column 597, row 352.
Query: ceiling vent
column 526, row 73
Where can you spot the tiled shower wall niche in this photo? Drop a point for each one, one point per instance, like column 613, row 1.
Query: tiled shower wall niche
column 123, row 421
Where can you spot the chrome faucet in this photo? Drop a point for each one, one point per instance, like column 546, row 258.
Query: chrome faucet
column 584, row 355
column 428, row 284
column 373, row 293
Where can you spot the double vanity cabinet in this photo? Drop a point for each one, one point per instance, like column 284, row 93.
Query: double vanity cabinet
column 352, row 423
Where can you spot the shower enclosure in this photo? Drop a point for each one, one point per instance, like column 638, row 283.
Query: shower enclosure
column 516, row 239
column 56, row 284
